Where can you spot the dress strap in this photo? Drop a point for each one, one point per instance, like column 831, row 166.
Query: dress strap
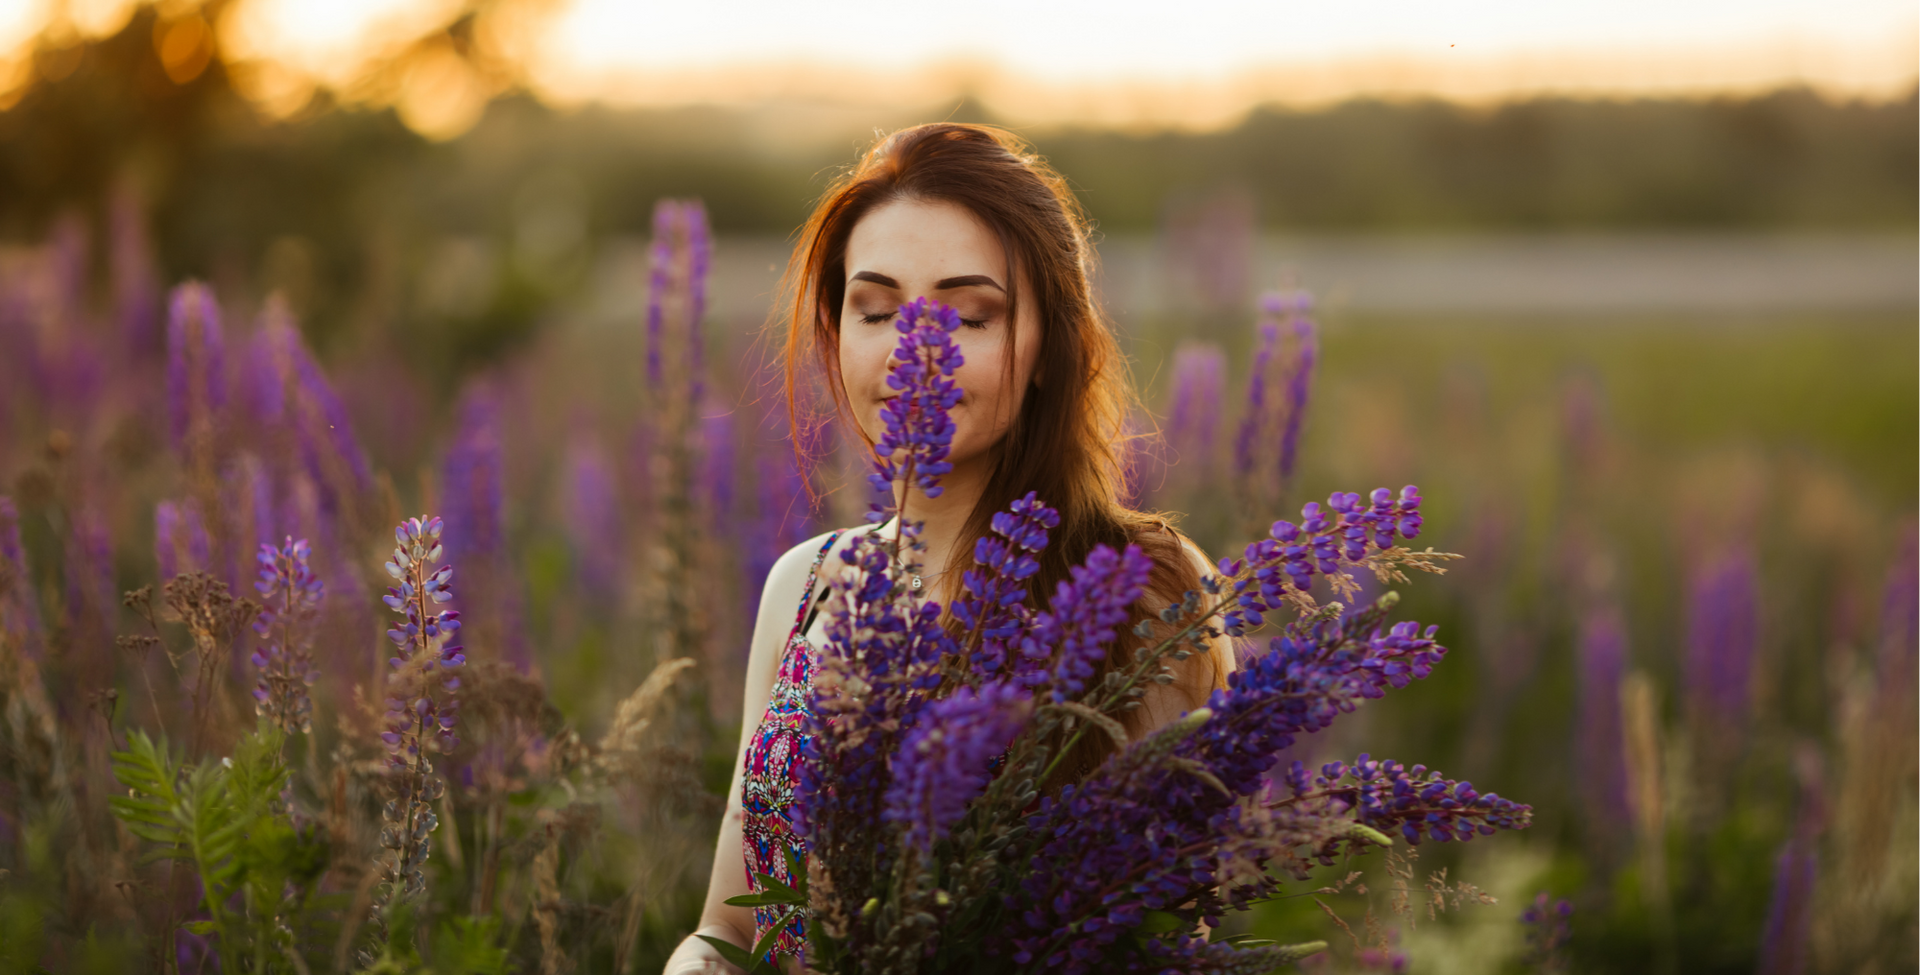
column 800, row 616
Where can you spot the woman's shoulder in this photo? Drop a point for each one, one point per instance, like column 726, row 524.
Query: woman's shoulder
column 790, row 569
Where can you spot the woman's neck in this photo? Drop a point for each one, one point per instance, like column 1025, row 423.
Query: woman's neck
column 944, row 517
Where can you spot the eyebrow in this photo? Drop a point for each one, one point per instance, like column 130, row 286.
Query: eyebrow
column 944, row 284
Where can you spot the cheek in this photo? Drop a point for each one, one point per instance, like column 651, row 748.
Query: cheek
column 984, row 377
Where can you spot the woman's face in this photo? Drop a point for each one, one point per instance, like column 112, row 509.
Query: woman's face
column 908, row 249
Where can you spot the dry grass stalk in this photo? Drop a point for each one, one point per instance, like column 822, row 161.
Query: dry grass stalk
column 546, row 904
column 622, row 742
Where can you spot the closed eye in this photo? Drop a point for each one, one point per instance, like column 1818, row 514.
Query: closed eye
column 887, row 316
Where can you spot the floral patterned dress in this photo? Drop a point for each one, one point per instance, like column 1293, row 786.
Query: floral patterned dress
column 773, row 768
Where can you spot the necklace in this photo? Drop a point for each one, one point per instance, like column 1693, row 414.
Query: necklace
column 916, row 582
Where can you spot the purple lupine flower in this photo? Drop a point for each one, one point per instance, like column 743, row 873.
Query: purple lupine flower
column 289, row 600
column 913, row 449
column 196, row 362
column 472, row 503
column 679, row 261
column 283, row 384
column 180, row 539
column 19, row 605
column 784, row 513
column 1194, row 403
column 1265, row 421
column 1900, row 615
column 1787, row 938
column 592, row 519
column 993, row 609
column 471, row 479
column 714, row 482
column 693, row 218
column 1286, row 562
column 136, row 287
column 1603, row 771
column 416, row 721
column 1085, row 615
column 1253, row 422
column 1303, row 681
column 1418, row 802
column 1548, row 929
column 943, row 762
column 66, row 257
column 659, row 278
column 893, row 643
column 91, row 596
column 1299, row 384
column 1150, row 829
column 1784, row 948
column 273, row 356
column 422, row 701
column 1722, row 631
column 89, row 567
column 246, row 499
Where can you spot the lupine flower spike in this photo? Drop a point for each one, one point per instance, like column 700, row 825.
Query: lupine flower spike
column 913, row 450
column 421, row 704
column 290, row 597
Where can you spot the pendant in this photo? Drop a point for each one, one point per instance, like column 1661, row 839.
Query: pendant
column 916, row 583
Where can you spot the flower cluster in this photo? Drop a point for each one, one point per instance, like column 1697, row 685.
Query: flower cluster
column 289, row 596
column 943, row 762
column 993, row 607
column 1548, row 930
column 939, row 834
column 1085, row 614
column 1277, row 423
column 180, row 542
column 414, row 716
column 1279, row 569
column 196, row 363
column 1388, row 795
column 417, row 720
column 918, row 430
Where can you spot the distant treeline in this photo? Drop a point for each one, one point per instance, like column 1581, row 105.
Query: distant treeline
column 1785, row 160
column 357, row 192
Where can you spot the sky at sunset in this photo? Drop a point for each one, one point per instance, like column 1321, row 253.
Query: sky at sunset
column 1113, row 60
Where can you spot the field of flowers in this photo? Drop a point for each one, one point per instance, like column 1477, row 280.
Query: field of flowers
column 1683, row 630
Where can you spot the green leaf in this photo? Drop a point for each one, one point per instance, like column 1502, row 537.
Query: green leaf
column 733, row 953
column 1160, row 922
column 774, row 886
column 1288, row 954
column 201, row 928
column 767, row 940
column 763, row 899
column 469, row 946
column 797, row 869
column 1360, row 831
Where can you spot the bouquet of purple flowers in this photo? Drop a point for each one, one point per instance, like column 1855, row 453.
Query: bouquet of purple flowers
column 938, row 837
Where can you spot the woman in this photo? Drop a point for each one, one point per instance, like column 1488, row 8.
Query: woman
column 967, row 216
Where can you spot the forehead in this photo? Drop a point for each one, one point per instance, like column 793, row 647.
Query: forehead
column 914, row 239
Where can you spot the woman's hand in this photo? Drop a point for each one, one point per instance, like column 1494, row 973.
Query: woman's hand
column 696, row 957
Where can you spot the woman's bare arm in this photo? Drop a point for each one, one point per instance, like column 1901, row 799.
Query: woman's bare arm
column 778, row 601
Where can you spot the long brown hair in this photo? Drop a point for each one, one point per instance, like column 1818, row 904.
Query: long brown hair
column 1066, row 443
